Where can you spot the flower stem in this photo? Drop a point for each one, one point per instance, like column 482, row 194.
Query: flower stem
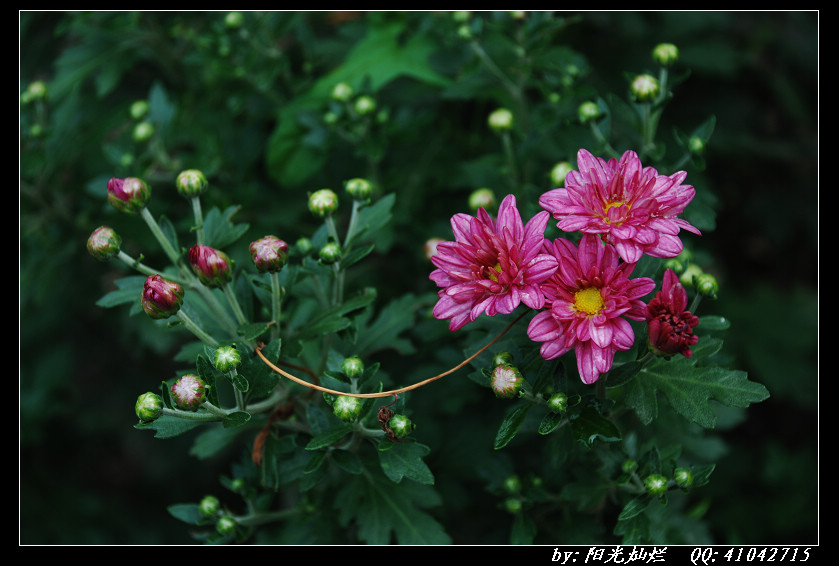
column 161, row 238
column 197, row 330
column 199, row 219
column 276, row 303
column 234, row 303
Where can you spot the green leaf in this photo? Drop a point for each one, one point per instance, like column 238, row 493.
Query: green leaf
column 404, row 460
column 129, row 291
column 329, row 437
column 219, row 229
column 253, row 330
column 381, row 509
column 333, row 319
column 384, row 332
column 510, row 425
column 713, row 323
column 635, row 507
column 690, row 388
column 167, row 426
column 236, row 419
column 188, row 513
column 549, row 422
column 212, row 441
column 590, row 426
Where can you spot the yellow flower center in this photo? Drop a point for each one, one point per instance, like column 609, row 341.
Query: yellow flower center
column 588, row 300
column 492, row 274
column 617, row 203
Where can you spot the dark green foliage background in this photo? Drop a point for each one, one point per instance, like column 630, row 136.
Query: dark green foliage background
column 88, row 477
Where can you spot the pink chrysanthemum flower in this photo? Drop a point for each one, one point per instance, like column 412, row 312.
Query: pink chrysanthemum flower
column 492, row 266
column 630, row 206
column 669, row 323
column 589, row 296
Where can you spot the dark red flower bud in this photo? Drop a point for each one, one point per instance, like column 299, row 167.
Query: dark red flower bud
column 161, row 298
column 669, row 325
column 210, row 265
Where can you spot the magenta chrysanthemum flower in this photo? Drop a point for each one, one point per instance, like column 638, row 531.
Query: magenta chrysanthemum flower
column 589, row 296
column 492, row 266
column 630, row 206
column 669, row 324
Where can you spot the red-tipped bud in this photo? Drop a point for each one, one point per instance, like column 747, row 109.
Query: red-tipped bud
column 103, row 243
column 189, row 392
column 161, row 298
column 210, row 265
column 129, row 195
column 269, row 254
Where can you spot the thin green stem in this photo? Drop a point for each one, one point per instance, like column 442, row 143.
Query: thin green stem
column 197, row 330
column 234, row 303
column 199, row 219
column 161, row 238
column 145, row 269
column 276, row 303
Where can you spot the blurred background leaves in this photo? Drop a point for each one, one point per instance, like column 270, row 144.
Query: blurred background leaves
column 243, row 97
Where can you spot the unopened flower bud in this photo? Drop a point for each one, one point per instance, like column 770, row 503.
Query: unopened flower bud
column 323, row 202
column 269, row 254
column 226, row 358
column 365, row 105
column 143, row 131
column 513, row 505
column 645, row 88
column 191, row 183
column 665, row 54
column 558, row 173
column 464, row 32
column 226, row 525
column 359, row 189
column 656, row 485
column 342, row 92
column 461, row 16
column 352, row 367
column 161, row 298
column 502, row 358
column 234, row 20
column 139, row 109
column 149, row 406
column 430, row 247
column 209, row 505
column 129, row 195
column 629, row 466
column 588, row 112
column 401, row 426
column 347, row 408
column 103, row 243
column 330, row 252
column 706, row 284
column 558, row 402
column 501, row 120
column 512, row 484
column 189, row 392
column 683, row 477
column 688, row 276
column 482, row 198
column 210, row 265
column 506, row 381
column 696, row 145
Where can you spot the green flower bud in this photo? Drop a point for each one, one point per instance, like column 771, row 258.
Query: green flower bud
column 645, row 88
column 656, row 485
column 629, row 466
column 191, row 183
column 342, row 92
column 482, row 198
column 359, row 189
column 696, row 145
column 269, row 254
column 139, row 109
column 237, row 485
column 506, row 381
column 706, row 284
column 226, row 525
column 513, row 505
column 37, row 90
column 501, row 120
column 189, row 392
column 148, row 407
column 143, row 131
column 558, row 403
column 161, row 298
column 347, row 408
column 674, row 263
column 352, row 367
column 234, row 20
column 323, row 202
column 512, row 484
column 588, row 112
column 103, row 243
column 209, row 506
column 210, row 265
column 683, row 477
column 226, row 358
column 401, row 426
column 464, row 32
column 502, row 358
column 665, row 54
column 129, row 195
column 559, row 171
column 330, row 253
column 461, row 16
column 688, row 276
column 303, row 245
column 365, row 105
